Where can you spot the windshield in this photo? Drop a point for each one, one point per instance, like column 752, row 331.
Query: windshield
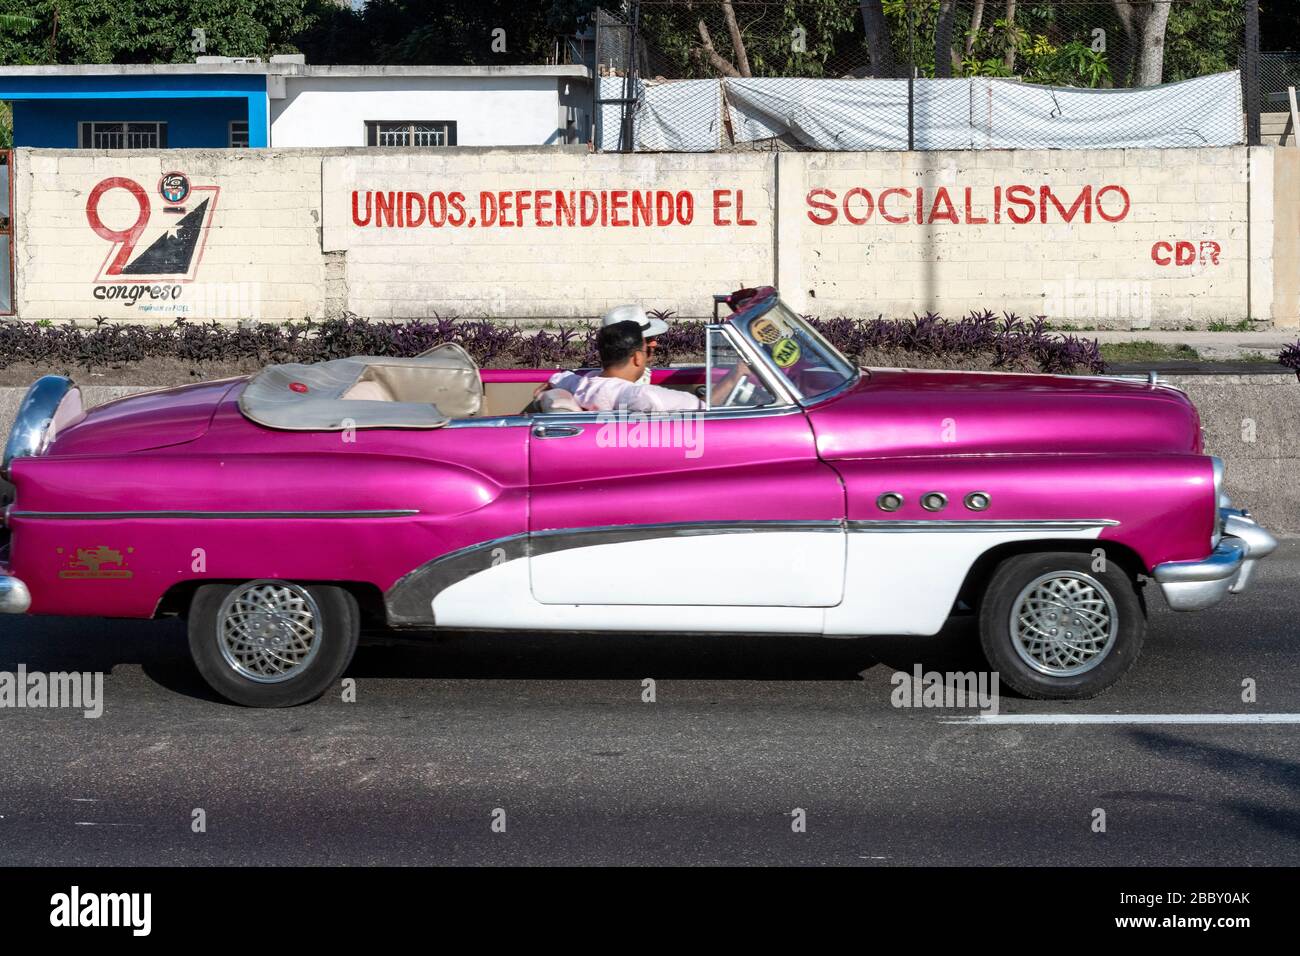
column 796, row 350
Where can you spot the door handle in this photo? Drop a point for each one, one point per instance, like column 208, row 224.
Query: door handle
column 556, row 431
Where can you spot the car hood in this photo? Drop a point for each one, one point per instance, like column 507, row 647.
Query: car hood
column 904, row 412
column 170, row 416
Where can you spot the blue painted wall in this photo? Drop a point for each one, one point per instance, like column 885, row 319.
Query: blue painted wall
column 197, row 107
column 190, row 122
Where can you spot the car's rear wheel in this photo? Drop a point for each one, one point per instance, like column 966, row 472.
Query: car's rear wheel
column 1055, row 627
column 272, row 643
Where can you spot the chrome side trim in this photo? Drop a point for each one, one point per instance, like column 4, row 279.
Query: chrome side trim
column 612, row 417
column 14, row 596
column 409, row 602
column 564, row 539
column 491, row 421
column 239, row 515
column 980, row 524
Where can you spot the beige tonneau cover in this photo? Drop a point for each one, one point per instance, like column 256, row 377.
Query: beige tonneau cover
column 366, row 391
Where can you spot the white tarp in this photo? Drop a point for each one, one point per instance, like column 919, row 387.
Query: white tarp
column 684, row 116
column 850, row 114
column 1205, row 111
column 969, row 113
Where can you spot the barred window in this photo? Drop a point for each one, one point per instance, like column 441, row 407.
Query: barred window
column 410, row 133
column 238, row 134
column 123, row 135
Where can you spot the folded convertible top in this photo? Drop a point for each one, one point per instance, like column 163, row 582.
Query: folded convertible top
column 427, row 391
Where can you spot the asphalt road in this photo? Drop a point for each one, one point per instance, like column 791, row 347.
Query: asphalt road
column 553, row 731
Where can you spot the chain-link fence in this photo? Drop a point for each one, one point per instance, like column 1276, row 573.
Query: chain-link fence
column 1279, row 77
column 704, row 75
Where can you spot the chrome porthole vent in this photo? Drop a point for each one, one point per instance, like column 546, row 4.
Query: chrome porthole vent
column 977, row 501
column 934, row 501
column 889, row 501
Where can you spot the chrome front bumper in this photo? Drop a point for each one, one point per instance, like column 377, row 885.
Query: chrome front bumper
column 14, row 597
column 1194, row 585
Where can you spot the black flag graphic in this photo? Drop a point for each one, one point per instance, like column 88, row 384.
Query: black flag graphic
column 171, row 255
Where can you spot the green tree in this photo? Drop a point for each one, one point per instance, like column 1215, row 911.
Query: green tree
column 1203, row 36
column 149, row 31
column 789, row 38
column 483, row 32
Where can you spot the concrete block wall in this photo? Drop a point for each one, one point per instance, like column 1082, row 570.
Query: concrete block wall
column 546, row 233
column 1098, row 238
column 1123, row 238
column 95, row 236
column 1284, row 250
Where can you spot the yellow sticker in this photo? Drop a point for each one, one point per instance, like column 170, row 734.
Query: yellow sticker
column 765, row 330
column 785, row 353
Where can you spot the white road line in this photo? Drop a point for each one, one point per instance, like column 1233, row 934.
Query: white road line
column 1125, row 719
column 83, row 822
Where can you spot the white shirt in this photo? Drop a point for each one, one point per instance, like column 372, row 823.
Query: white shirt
column 599, row 393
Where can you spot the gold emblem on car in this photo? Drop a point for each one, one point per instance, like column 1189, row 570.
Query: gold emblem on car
column 91, row 563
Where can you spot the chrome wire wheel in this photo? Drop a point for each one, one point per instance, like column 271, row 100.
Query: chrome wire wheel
column 1064, row 623
column 269, row 631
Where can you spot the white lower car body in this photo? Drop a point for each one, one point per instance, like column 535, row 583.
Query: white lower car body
column 861, row 582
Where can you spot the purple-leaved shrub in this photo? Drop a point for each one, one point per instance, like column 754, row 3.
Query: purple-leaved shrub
column 1005, row 341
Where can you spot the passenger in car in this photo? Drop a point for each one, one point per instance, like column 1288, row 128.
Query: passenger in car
column 651, row 329
column 623, row 358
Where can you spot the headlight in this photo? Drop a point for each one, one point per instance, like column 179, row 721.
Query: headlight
column 51, row 403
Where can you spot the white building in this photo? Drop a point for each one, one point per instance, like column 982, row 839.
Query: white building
column 224, row 102
column 428, row 105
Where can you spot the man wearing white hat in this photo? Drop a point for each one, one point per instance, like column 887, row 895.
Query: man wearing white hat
column 651, row 329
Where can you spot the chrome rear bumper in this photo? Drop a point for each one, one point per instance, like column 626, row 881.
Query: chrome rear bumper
column 1194, row 585
column 14, row 597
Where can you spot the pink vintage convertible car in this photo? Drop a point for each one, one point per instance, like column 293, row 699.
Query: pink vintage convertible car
column 282, row 511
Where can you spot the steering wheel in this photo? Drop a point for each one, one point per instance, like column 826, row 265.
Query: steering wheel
column 741, row 392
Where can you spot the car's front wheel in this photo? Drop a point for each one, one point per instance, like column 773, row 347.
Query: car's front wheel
column 272, row 643
column 1056, row 627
